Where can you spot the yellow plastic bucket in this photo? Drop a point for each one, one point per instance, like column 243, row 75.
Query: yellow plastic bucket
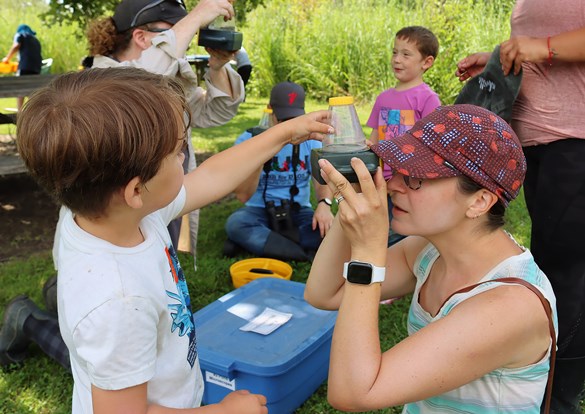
column 8, row 67
column 245, row 271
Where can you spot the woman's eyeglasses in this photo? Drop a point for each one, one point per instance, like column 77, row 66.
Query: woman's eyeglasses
column 410, row 182
column 155, row 29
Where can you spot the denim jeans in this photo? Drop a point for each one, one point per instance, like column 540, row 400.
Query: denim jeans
column 248, row 227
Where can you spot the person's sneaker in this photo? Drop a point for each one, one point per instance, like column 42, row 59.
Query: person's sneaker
column 50, row 295
column 13, row 341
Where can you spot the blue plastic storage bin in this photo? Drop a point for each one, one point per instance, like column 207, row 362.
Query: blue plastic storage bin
column 286, row 366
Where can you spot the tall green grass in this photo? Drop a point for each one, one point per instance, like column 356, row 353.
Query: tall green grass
column 62, row 43
column 345, row 47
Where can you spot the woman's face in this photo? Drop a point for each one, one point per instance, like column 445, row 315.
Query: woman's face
column 437, row 206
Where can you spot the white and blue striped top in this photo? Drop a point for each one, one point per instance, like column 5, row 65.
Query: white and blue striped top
column 517, row 390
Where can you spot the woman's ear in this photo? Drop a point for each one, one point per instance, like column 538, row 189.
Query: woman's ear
column 481, row 203
column 133, row 193
column 140, row 39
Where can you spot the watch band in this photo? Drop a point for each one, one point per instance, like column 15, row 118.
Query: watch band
column 326, row 201
column 363, row 273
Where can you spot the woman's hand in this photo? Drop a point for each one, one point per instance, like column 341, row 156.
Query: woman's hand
column 472, row 65
column 207, row 11
column 218, row 58
column 363, row 216
column 516, row 50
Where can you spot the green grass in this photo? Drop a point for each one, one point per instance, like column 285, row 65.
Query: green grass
column 42, row 386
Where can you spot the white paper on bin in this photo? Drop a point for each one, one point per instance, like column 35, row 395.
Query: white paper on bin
column 267, row 322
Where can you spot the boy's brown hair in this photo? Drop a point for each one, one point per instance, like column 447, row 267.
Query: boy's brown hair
column 426, row 42
column 87, row 134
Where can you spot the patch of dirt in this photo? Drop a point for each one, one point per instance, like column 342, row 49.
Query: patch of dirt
column 27, row 214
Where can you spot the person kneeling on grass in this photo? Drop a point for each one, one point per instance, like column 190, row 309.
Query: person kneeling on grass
column 471, row 348
column 108, row 144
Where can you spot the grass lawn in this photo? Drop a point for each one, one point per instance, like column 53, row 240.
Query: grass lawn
column 41, row 386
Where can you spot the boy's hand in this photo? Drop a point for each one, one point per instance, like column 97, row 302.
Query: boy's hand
column 244, row 402
column 309, row 126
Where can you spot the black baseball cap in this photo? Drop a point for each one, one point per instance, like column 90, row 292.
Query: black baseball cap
column 287, row 100
column 133, row 13
column 491, row 89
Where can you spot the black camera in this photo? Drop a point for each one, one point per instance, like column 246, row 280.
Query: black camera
column 280, row 220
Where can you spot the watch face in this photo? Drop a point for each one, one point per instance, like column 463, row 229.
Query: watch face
column 359, row 273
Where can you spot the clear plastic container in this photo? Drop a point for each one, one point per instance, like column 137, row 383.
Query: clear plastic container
column 348, row 135
column 266, row 121
column 221, row 24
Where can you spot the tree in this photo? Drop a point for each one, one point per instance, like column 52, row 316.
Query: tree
column 83, row 11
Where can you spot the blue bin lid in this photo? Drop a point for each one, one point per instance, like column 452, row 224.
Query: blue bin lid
column 224, row 348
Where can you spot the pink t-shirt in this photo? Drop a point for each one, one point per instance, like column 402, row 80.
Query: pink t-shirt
column 551, row 102
column 395, row 112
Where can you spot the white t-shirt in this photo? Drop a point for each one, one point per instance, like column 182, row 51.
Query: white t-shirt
column 125, row 313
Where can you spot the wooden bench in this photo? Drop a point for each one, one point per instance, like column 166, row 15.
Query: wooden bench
column 13, row 86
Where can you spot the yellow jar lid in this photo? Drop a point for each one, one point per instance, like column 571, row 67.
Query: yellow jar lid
column 267, row 110
column 341, row 100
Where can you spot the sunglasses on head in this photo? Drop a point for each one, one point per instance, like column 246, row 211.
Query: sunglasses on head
column 152, row 5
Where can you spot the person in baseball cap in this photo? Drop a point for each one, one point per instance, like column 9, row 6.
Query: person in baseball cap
column 473, row 290
column 287, row 100
column 133, row 13
column 460, row 140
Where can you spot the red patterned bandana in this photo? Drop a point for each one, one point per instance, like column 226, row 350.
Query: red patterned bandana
column 460, row 140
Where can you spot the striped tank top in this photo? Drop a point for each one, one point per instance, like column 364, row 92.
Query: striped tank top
column 505, row 390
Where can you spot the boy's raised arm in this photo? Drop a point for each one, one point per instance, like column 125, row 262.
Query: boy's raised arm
column 220, row 174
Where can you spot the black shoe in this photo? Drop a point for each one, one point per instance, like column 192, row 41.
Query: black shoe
column 231, row 249
column 13, row 341
column 50, row 295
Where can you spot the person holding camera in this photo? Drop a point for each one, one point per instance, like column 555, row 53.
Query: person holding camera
column 154, row 35
column 278, row 220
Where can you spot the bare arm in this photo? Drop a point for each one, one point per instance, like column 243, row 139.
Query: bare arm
column 227, row 171
column 322, row 217
column 374, row 137
column 203, row 14
column 15, row 47
column 565, row 47
column 134, row 400
column 245, row 190
column 444, row 355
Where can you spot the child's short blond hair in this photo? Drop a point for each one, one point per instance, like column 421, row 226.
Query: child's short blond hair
column 88, row 133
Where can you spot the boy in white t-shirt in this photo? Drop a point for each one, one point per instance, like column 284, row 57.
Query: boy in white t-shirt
column 107, row 144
